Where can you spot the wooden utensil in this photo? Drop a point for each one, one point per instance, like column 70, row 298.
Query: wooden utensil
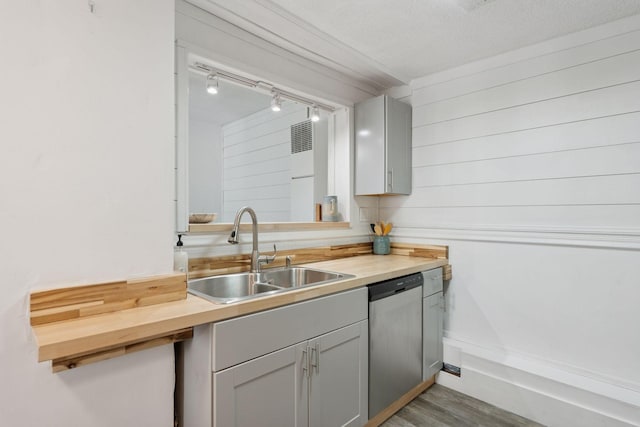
column 387, row 228
column 378, row 230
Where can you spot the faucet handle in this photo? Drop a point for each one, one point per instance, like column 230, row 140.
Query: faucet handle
column 268, row 259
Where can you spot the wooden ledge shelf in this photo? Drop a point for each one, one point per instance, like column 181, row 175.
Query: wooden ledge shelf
column 126, row 329
column 81, row 325
column 267, row 227
column 62, row 306
column 80, row 301
column 71, row 362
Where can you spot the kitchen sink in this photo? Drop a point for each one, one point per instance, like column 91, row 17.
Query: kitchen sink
column 295, row 277
column 232, row 288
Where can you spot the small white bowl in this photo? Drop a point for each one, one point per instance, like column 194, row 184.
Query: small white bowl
column 202, row 218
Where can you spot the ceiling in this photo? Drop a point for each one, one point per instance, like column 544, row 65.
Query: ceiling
column 391, row 42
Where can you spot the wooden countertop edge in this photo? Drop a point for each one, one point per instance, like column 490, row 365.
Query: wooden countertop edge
column 69, row 338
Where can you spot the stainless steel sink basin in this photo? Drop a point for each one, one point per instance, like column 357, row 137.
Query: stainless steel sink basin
column 231, row 288
column 294, row 277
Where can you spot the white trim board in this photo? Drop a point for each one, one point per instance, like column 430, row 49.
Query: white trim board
column 555, row 236
column 541, row 390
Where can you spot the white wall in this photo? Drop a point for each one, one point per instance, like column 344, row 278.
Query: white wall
column 205, row 167
column 528, row 166
column 257, row 163
column 86, row 179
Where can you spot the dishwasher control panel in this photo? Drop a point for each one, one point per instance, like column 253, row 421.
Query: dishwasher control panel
column 385, row 289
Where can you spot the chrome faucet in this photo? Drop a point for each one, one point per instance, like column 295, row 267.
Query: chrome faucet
column 256, row 259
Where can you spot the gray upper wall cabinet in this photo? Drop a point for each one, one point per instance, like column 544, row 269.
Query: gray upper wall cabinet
column 383, row 147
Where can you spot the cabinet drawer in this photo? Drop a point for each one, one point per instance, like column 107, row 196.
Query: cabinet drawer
column 238, row 340
column 432, row 281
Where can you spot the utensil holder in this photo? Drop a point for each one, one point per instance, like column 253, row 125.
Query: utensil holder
column 381, row 245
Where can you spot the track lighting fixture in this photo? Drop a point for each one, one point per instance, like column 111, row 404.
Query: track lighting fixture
column 315, row 113
column 277, row 94
column 276, row 102
column 212, row 84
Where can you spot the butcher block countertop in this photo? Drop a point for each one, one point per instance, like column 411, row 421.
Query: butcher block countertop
column 67, row 338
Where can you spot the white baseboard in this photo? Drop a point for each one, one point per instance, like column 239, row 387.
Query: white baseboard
column 540, row 390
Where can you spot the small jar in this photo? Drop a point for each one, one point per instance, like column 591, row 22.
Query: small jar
column 381, row 245
column 330, row 208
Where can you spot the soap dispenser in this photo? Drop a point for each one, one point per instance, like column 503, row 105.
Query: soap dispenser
column 180, row 257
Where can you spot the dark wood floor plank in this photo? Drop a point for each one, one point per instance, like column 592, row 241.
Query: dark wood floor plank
column 440, row 406
column 468, row 407
column 463, row 412
column 408, row 415
column 444, row 415
column 416, row 417
column 507, row 418
column 398, row 422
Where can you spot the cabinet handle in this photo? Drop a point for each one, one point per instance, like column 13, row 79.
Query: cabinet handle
column 316, row 357
column 305, row 362
column 390, row 179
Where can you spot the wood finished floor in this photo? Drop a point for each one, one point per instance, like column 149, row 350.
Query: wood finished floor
column 440, row 406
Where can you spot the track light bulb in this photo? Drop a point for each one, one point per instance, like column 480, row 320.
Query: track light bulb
column 276, row 103
column 315, row 114
column 212, row 84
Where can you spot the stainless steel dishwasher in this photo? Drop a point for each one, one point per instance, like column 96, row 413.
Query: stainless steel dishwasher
column 395, row 339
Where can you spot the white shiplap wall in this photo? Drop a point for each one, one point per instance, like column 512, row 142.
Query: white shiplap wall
column 528, row 166
column 257, row 163
column 205, row 166
column 552, row 141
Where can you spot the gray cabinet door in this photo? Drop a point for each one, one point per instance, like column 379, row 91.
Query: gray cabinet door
column 339, row 377
column 382, row 147
column 432, row 313
column 269, row 391
column 369, row 117
column 398, row 147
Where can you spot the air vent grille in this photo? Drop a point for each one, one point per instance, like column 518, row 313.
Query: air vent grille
column 301, row 137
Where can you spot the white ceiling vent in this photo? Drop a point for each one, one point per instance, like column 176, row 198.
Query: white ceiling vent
column 301, row 137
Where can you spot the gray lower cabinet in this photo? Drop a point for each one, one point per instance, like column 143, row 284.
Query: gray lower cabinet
column 271, row 390
column 300, row 365
column 338, row 392
column 432, row 323
column 314, row 383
